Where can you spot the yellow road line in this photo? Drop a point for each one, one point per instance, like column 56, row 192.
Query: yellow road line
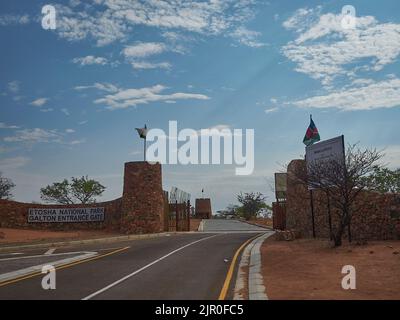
column 229, row 275
column 37, row 273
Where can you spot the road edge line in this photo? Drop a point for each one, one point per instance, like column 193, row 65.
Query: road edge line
column 229, row 275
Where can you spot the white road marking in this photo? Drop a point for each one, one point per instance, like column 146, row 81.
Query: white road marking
column 10, row 254
column 144, row 268
column 43, row 255
column 16, row 274
column 50, row 251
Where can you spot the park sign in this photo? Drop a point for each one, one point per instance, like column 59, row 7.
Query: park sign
column 65, row 215
column 280, row 185
column 325, row 151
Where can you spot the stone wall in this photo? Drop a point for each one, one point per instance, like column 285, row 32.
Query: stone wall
column 140, row 210
column 15, row 215
column 376, row 216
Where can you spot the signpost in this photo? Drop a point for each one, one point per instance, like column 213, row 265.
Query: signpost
column 324, row 151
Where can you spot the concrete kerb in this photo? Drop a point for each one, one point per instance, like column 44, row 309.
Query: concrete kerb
column 87, row 241
column 251, row 257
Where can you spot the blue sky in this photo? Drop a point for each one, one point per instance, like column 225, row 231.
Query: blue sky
column 67, row 108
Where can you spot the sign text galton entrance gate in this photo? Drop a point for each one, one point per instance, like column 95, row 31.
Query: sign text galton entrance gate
column 65, row 215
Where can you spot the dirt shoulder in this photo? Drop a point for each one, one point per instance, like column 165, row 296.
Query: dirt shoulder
column 311, row 269
column 22, row 236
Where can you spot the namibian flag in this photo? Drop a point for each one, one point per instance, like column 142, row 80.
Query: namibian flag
column 312, row 134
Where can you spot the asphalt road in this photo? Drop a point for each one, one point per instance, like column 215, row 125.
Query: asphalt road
column 183, row 266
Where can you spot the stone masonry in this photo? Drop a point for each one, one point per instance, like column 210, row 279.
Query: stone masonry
column 142, row 200
column 376, row 216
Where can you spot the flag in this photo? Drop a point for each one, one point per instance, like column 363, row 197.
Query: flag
column 312, row 134
column 142, row 132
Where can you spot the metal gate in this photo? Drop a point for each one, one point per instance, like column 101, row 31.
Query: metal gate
column 176, row 211
column 279, row 215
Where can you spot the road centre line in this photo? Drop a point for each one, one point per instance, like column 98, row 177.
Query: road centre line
column 63, row 266
column 144, row 268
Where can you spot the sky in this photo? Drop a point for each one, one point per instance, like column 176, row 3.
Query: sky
column 70, row 98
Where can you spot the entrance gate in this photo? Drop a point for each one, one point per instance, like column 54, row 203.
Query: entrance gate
column 176, row 210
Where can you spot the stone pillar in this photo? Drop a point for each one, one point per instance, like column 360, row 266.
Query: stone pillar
column 203, row 208
column 142, row 199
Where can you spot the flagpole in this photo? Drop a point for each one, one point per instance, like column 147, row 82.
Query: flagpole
column 145, row 149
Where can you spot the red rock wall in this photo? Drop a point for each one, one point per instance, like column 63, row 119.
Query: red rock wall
column 143, row 198
column 140, row 210
column 203, row 209
column 375, row 215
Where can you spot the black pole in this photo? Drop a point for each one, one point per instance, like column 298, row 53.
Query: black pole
column 145, row 149
column 312, row 213
column 329, row 216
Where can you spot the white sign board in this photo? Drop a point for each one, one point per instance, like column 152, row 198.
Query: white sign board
column 328, row 150
column 60, row 215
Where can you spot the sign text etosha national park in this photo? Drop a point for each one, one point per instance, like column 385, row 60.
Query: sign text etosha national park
column 66, row 215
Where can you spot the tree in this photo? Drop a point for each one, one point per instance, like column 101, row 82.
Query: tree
column 342, row 180
column 79, row 190
column 384, row 180
column 231, row 210
column 252, row 204
column 5, row 187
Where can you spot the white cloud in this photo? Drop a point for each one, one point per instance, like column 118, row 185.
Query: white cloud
column 5, row 126
column 46, row 110
column 270, row 110
column 324, row 50
column 107, row 87
column 107, row 21
column 13, row 163
column 126, row 98
column 39, row 102
column 36, row 135
column 11, row 19
column 65, row 111
column 248, row 37
column 142, row 50
column 14, row 86
column 69, row 130
column 383, row 94
column 150, row 65
column 90, row 60
column 76, row 142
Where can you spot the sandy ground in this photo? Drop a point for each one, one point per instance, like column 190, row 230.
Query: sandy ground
column 262, row 222
column 9, row 236
column 311, row 269
column 194, row 224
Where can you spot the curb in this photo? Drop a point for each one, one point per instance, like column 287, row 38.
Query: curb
column 259, row 225
column 86, row 241
column 251, row 257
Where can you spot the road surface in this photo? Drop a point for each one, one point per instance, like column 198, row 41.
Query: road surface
column 181, row 266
